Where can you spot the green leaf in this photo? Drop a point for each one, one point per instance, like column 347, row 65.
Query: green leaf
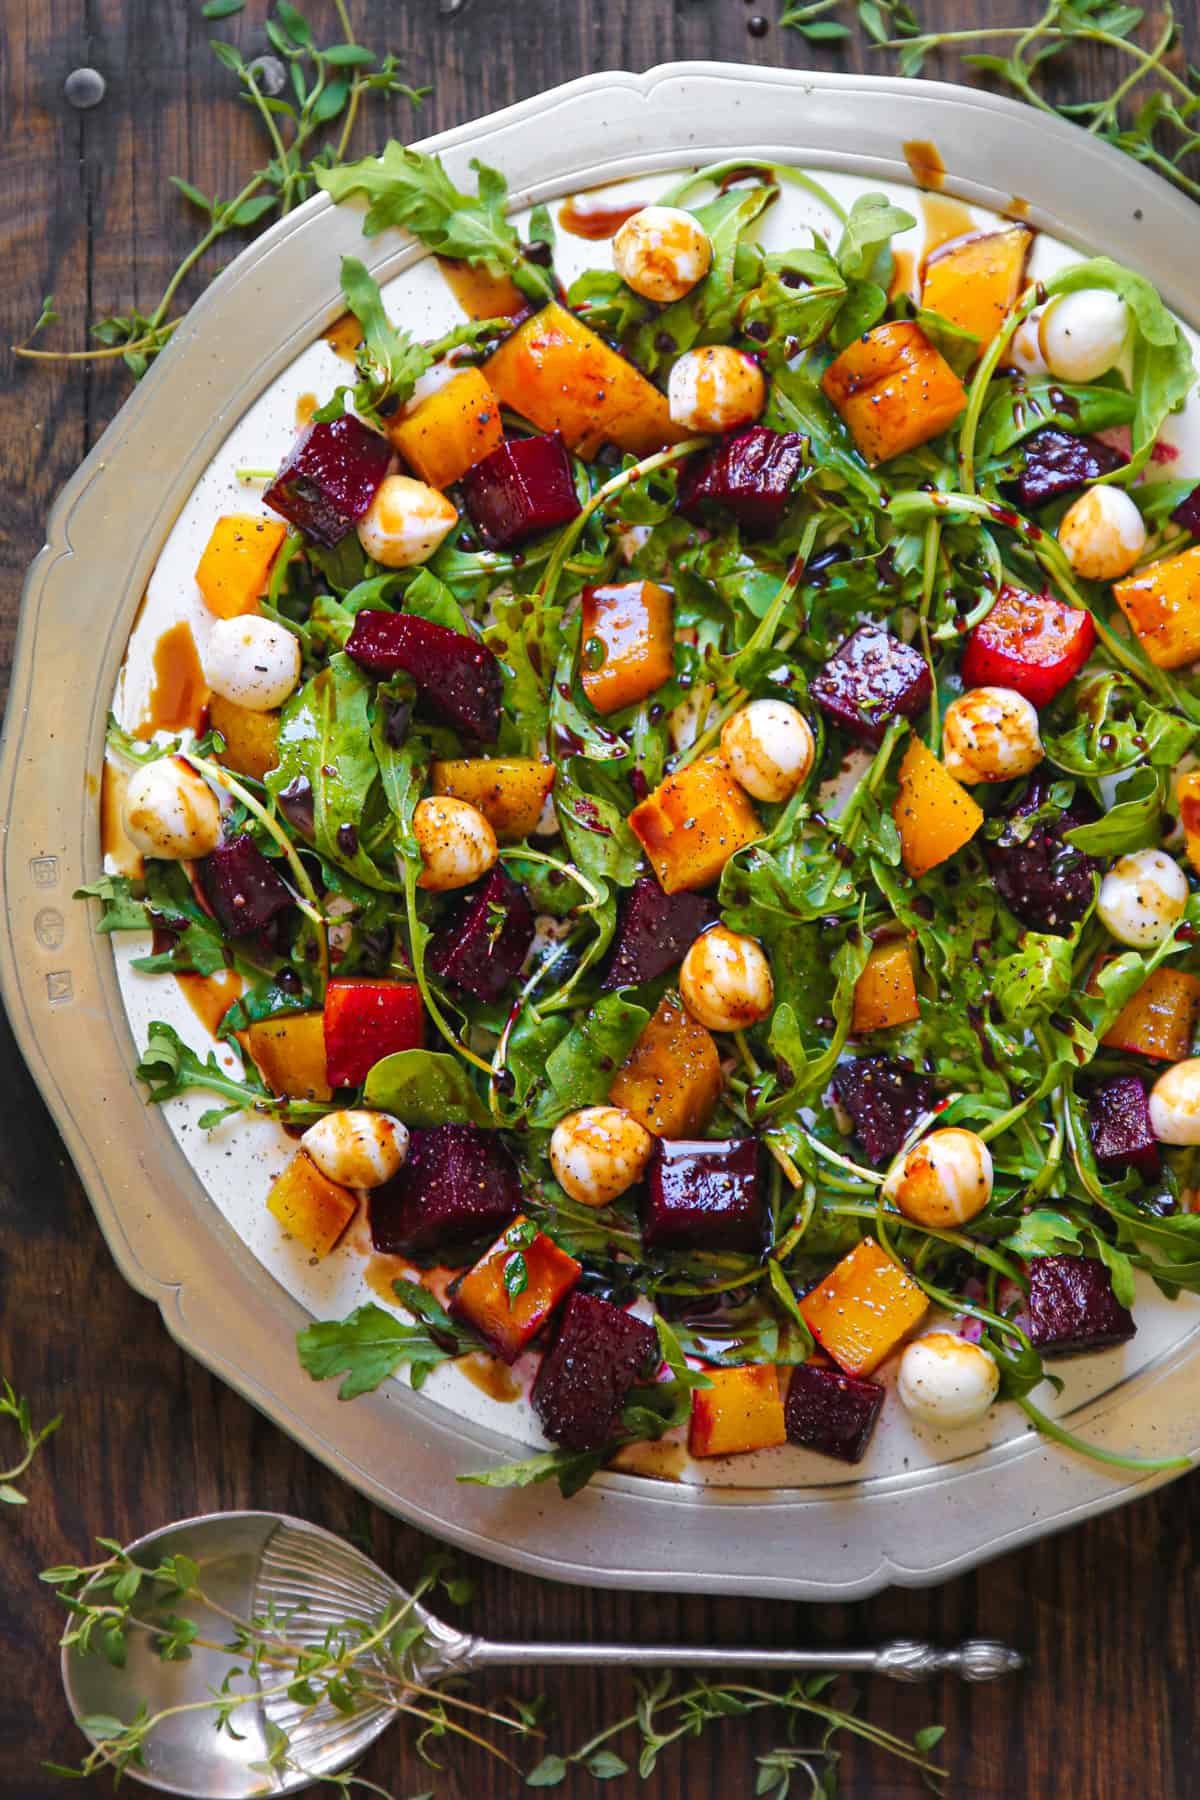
column 1133, row 821
column 294, row 23
column 606, row 1765
column 11, row 1496
column 580, row 1069
column 198, row 200
column 960, row 348
column 797, row 404
column 425, row 1088
column 594, row 828
column 1043, row 1232
column 221, row 9
column 548, row 1773
column 925, row 1739
column 873, row 222
column 572, row 1469
column 1036, row 979
column 371, row 1344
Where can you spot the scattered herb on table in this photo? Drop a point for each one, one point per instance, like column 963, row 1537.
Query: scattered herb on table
column 15, row 1408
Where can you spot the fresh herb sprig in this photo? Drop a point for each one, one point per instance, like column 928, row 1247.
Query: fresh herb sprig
column 15, row 1407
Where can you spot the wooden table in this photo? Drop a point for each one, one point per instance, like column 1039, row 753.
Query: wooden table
column 1107, row 1612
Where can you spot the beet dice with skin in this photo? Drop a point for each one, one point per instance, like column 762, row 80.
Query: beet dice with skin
column 366, row 1020
column 1187, row 513
column 522, row 488
column 484, row 945
column 459, row 1184
column 1057, row 463
column 1119, row 1124
column 831, row 1413
column 329, row 478
column 242, row 887
column 884, row 1097
column 1031, row 643
column 1072, row 1308
column 703, row 1194
column 752, row 474
column 1046, row 882
column 870, row 680
column 459, row 677
column 586, row 1375
column 655, row 931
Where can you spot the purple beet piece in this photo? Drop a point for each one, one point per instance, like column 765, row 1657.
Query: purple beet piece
column 484, row 945
column 831, row 1412
column 585, row 1376
column 458, row 1184
column 1119, row 1123
column 1187, row 513
column 523, row 487
column 1046, row 882
column 870, row 679
column 1072, row 1307
column 329, row 478
column 655, row 932
column 459, row 677
column 703, row 1194
column 1057, row 462
column 752, row 473
column 243, row 889
column 883, row 1096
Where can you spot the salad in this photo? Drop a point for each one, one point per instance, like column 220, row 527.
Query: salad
column 697, row 809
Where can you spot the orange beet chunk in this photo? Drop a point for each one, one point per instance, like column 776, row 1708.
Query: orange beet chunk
column 366, row 1020
column 508, row 1322
column 693, row 822
column 1160, row 1019
column 313, row 1209
column 863, row 1308
column 934, row 814
column 510, row 791
column 975, row 281
column 451, row 430
column 289, row 1053
column 671, row 1079
column 886, row 992
column 237, row 559
column 557, row 373
column 1162, row 603
column 741, row 1411
column 1188, row 793
column 627, row 643
column 894, row 390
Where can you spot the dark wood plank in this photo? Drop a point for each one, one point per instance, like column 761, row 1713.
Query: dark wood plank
column 1107, row 1612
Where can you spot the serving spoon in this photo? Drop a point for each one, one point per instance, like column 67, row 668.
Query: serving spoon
column 255, row 1563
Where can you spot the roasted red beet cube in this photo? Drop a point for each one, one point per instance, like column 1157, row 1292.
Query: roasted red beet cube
column 655, row 931
column 884, row 1096
column 1029, row 642
column 1119, row 1123
column 366, row 1020
column 869, row 680
column 1046, row 882
column 523, row 487
column 1072, row 1307
column 482, row 948
column 244, row 890
column 752, row 473
column 329, row 478
column 1187, row 513
column 830, row 1412
column 586, row 1375
column 1057, row 462
column 704, row 1195
column 459, row 677
column 458, row 1184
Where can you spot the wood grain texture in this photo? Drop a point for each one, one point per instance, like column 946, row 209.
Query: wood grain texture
column 1108, row 1613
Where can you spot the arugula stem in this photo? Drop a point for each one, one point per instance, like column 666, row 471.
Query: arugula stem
column 1147, row 1465
column 982, row 381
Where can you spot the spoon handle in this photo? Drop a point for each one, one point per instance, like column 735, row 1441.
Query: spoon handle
column 903, row 1659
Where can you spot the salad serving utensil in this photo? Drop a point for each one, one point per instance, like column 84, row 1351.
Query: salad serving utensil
column 256, row 1564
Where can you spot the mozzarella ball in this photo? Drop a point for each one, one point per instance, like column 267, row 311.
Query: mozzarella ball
column 405, row 522
column 1102, row 533
column 769, row 746
column 726, row 981
column 990, row 734
column 252, row 661
column 661, row 253
column 944, row 1180
column 1142, row 898
column 598, row 1153
column 171, row 812
column 715, row 389
column 360, row 1149
column 1082, row 335
column 1175, row 1104
column 944, row 1380
column 457, row 843
column 1024, row 349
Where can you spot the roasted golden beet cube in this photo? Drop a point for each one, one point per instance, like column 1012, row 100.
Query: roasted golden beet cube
column 934, row 813
column 671, row 1079
column 1162, row 603
column 506, row 1301
column 289, row 1053
column 741, row 1411
column 510, row 791
column 886, row 991
column 976, row 281
column 1160, row 1019
column 627, row 644
column 894, row 390
column 310, row 1207
column 449, row 431
column 693, row 822
column 864, row 1306
column 251, row 738
column 237, row 559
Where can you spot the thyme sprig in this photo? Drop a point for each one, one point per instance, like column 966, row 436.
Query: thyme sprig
column 15, row 1407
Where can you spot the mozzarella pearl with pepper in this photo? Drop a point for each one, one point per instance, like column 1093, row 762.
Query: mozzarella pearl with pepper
column 598, row 1153
column 252, row 661
column 1175, row 1104
column 457, row 843
column 990, row 734
column 769, row 746
column 405, row 522
column 715, row 389
column 1082, row 335
column 357, row 1148
column 943, row 1380
column 170, row 812
column 944, row 1180
column 1102, row 534
column 661, row 253
column 1142, row 898
column 726, row 980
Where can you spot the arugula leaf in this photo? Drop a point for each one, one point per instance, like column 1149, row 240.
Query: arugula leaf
column 580, row 1069
column 388, row 361
column 595, row 830
column 1112, row 726
column 872, row 224
column 1035, row 979
column 370, row 1344
column 166, row 903
column 960, row 348
column 797, row 404
column 1017, row 408
column 169, row 1067
column 425, row 1088
column 1133, row 820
